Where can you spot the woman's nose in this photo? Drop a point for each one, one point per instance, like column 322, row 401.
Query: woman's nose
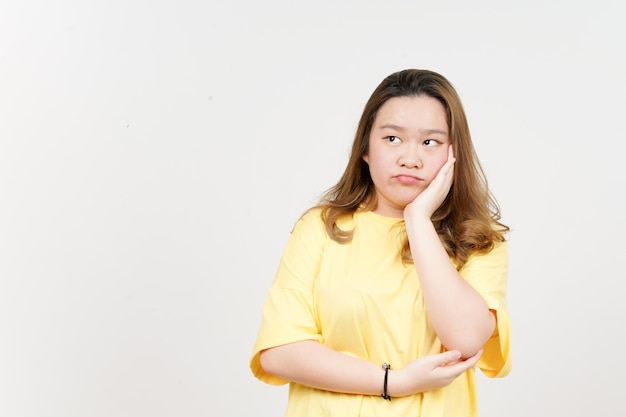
column 411, row 157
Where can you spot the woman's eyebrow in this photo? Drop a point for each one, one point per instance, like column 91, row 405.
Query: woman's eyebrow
column 434, row 131
column 390, row 126
column 422, row 131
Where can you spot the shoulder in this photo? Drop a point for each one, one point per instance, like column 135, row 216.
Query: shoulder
column 311, row 217
column 311, row 224
column 497, row 254
column 492, row 265
column 317, row 216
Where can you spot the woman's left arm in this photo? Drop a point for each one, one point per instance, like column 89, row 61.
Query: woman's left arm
column 458, row 313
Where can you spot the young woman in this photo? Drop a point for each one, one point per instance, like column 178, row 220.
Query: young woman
column 393, row 288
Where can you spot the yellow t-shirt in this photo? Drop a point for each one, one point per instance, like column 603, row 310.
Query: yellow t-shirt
column 359, row 299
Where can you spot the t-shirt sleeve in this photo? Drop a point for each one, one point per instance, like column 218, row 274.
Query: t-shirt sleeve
column 487, row 273
column 289, row 312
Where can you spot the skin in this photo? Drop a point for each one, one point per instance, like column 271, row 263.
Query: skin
column 411, row 163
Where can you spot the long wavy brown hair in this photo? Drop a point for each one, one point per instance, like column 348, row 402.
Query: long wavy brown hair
column 468, row 221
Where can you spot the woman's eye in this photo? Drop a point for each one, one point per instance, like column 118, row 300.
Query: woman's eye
column 393, row 139
column 430, row 142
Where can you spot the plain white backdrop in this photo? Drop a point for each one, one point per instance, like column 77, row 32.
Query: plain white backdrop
column 155, row 155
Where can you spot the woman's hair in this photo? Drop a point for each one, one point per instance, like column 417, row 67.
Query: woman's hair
column 468, row 221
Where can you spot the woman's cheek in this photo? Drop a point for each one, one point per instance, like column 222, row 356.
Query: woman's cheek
column 442, row 160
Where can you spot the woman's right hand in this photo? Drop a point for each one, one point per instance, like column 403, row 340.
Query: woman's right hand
column 429, row 373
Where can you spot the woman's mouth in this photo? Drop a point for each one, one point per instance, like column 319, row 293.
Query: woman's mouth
column 407, row 179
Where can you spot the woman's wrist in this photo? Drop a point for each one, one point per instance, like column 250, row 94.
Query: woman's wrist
column 395, row 384
column 418, row 224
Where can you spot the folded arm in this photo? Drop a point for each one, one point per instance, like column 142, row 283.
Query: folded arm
column 312, row 364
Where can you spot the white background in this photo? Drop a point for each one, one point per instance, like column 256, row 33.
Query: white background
column 154, row 156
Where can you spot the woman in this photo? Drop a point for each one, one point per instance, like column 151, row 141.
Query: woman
column 394, row 286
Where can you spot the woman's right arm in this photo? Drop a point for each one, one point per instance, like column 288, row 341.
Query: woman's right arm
column 312, row 364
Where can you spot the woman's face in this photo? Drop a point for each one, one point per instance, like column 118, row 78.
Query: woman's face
column 408, row 144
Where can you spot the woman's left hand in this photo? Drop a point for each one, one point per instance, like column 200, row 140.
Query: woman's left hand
column 431, row 198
